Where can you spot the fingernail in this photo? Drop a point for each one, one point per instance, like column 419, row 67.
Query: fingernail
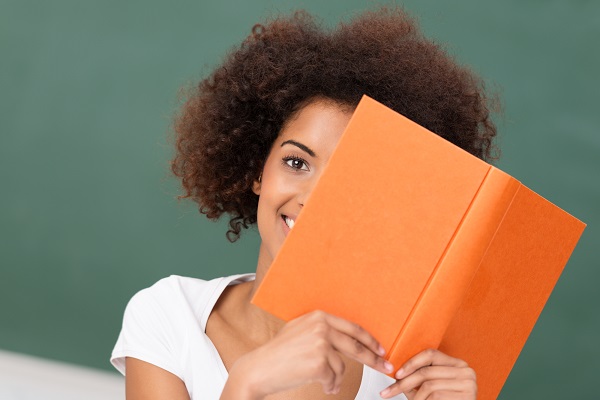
column 385, row 392
column 381, row 350
column 388, row 367
column 399, row 373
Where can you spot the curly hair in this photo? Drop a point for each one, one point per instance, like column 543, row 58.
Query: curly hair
column 226, row 127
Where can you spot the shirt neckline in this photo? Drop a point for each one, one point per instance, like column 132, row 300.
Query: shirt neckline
column 216, row 294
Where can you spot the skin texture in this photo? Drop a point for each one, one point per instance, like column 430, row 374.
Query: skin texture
column 145, row 381
column 316, row 355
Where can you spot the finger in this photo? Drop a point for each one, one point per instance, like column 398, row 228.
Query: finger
column 356, row 350
column 338, row 367
column 355, row 331
column 417, row 378
column 446, row 395
column 410, row 395
column 324, row 373
column 427, row 358
column 465, row 388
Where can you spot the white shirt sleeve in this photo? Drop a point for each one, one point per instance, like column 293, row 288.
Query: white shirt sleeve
column 149, row 333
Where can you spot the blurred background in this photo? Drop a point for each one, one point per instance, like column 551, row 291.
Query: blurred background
column 88, row 209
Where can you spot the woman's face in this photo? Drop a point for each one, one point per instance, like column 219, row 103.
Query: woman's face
column 294, row 165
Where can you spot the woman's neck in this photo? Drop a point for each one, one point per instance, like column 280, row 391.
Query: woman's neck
column 259, row 325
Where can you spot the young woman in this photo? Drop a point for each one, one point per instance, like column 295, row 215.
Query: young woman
column 252, row 141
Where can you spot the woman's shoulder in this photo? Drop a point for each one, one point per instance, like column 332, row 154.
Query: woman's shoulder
column 160, row 320
column 175, row 291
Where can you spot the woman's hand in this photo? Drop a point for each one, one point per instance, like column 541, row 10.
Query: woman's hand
column 307, row 349
column 432, row 374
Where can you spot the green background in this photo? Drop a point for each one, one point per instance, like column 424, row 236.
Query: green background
column 88, row 213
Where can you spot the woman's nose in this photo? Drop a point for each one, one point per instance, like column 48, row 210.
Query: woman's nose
column 306, row 189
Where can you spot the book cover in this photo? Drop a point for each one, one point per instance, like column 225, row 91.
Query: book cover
column 424, row 245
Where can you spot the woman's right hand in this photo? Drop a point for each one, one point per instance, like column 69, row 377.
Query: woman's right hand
column 307, row 349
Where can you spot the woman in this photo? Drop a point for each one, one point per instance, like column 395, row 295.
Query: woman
column 252, row 141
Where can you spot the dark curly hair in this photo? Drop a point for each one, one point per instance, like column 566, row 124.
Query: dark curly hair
column 226, row 127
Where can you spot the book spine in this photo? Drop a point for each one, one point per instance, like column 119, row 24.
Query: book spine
column 517, row 274
column 449, row 282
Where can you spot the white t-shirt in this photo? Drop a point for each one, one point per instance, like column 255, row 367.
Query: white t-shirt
column 165, row 325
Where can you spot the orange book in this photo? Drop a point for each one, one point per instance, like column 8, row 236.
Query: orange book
column 424, row 245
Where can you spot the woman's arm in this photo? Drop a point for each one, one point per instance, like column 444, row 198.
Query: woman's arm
column 145, row 381
column 308, row 350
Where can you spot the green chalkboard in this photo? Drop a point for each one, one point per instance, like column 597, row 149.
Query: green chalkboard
column 88, row 213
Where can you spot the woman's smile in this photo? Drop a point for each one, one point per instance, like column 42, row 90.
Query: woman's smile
column 289, row 221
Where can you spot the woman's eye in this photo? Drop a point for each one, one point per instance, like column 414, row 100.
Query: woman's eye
column 296, row 163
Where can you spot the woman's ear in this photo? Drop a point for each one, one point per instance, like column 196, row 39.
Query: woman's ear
column 256, row 185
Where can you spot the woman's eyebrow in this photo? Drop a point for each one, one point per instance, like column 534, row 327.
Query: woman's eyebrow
column 300, row 145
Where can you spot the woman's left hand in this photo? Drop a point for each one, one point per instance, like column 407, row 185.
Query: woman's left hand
column 432, row 374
